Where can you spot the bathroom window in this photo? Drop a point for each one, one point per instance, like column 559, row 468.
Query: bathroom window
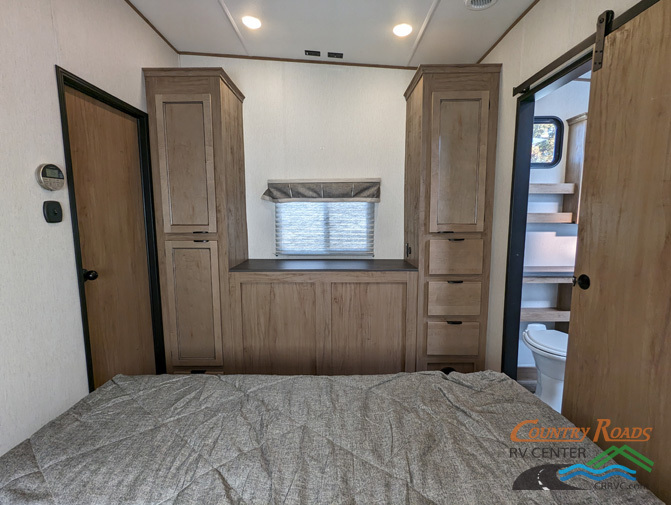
column 547, row 143
column 324, row 217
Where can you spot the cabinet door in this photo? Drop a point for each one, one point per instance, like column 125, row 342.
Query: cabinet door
column 186, row 162
column 368, row 327
column 280, row 326
column 194, row 307
column 458, row 160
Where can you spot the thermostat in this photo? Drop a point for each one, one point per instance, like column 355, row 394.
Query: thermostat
column 50, row 177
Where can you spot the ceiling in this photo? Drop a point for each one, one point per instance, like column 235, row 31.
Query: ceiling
column 444, row 31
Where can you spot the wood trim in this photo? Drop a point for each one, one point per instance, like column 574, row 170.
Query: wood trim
column 507, row 31
column 449, row 69
column 295, row 60
column 151, row 26
column 162, row 72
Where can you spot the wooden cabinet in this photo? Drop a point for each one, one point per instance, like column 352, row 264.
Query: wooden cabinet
column 459, row 128
column 451, row 123
column 195, row 123
column 193, row 303
column 186, row 162
column 328, row 322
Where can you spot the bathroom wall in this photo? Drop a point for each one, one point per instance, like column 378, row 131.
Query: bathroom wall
column 548, row 244
column 42, row 364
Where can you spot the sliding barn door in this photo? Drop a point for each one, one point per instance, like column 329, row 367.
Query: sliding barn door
column 619, row 356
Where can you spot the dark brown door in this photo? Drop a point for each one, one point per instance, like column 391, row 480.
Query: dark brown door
column 106, row 174
column 618, row 365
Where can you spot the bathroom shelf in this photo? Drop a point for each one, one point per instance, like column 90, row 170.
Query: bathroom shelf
column 545, row 315
column 562, row 188
column 548, row 275
column 553, row 217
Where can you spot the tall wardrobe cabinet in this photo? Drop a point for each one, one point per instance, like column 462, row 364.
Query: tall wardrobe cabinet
column 452, row 113
column 198, row 171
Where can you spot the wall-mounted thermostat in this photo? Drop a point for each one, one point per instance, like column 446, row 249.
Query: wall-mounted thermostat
column 50, row 177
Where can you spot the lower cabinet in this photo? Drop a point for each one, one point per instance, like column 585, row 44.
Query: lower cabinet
column 193, row 303
column 323, row 323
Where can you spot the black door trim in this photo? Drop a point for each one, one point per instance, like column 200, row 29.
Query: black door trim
column 519, row 201
column 66, row 79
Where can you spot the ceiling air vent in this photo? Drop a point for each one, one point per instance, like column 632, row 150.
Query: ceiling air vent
column 309, row 52
column 479, row 5
column 335, row 55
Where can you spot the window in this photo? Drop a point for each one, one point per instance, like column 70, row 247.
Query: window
column 546, row 146
column 324, row 228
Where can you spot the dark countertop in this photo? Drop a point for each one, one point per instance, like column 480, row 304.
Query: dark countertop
column 323, row 265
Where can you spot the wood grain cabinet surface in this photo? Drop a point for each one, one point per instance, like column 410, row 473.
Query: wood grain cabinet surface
column 451, row 121
column 330, row 323
column 195, row 128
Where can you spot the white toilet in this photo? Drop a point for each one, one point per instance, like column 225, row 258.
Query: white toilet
column 549, row 350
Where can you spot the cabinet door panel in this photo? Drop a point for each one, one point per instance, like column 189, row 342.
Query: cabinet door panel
column 458, row 160
column 186, row 162
column 454, row 299
column 368, row 328
column 463, row 256
column 280, row 327
column 194, row 308
column 445, row 339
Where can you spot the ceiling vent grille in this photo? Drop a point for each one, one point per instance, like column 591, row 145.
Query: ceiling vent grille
column 479, row 5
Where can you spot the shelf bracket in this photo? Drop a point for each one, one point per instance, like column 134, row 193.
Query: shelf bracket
column 603, row 27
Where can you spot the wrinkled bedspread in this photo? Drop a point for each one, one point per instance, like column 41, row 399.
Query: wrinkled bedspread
column 417, row 438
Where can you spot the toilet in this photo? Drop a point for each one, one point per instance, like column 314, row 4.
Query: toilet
column 549, row 350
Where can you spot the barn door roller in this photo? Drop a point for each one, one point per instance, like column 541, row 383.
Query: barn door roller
column 603, row 27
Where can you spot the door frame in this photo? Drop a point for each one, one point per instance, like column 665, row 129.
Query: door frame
column 519, row 202
column 65, row 78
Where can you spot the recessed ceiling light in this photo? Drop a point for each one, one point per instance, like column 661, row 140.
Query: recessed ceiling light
column 402, row 30
column 251, row 22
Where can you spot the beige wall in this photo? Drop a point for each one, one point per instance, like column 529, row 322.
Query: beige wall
column 304, row 121
column 42, row 365
column 550, row 29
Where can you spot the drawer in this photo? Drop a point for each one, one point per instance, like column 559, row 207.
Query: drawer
column 455, row 256
column 458, row 367
column 446, row 338
column 454, row 298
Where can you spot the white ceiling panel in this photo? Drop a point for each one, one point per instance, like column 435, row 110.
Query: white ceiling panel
column 192, row 25
column 360, row 29
column 459, row 35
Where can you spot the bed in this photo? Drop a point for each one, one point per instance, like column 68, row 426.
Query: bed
column 415, row 438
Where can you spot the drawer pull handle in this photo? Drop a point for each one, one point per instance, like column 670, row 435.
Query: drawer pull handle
column 454, row 322
column 455, row 282
column 202, row 241
column 456, row 239
column 194, row 232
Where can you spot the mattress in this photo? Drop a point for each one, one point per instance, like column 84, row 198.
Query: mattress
column 413, row 438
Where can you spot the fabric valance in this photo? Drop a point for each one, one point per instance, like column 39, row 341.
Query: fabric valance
column 333, row 190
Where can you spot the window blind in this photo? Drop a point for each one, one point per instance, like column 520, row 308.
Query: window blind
column 325, row 228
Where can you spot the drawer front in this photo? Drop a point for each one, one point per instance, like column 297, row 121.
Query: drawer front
column 458, row 367
column 455, row 256
column 454, row 298
column 444, row 339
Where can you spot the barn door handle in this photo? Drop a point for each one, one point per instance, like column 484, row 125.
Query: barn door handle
column 583, row 281
column 89, row 275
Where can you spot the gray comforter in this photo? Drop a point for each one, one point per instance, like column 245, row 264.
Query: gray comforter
column 408, row 438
